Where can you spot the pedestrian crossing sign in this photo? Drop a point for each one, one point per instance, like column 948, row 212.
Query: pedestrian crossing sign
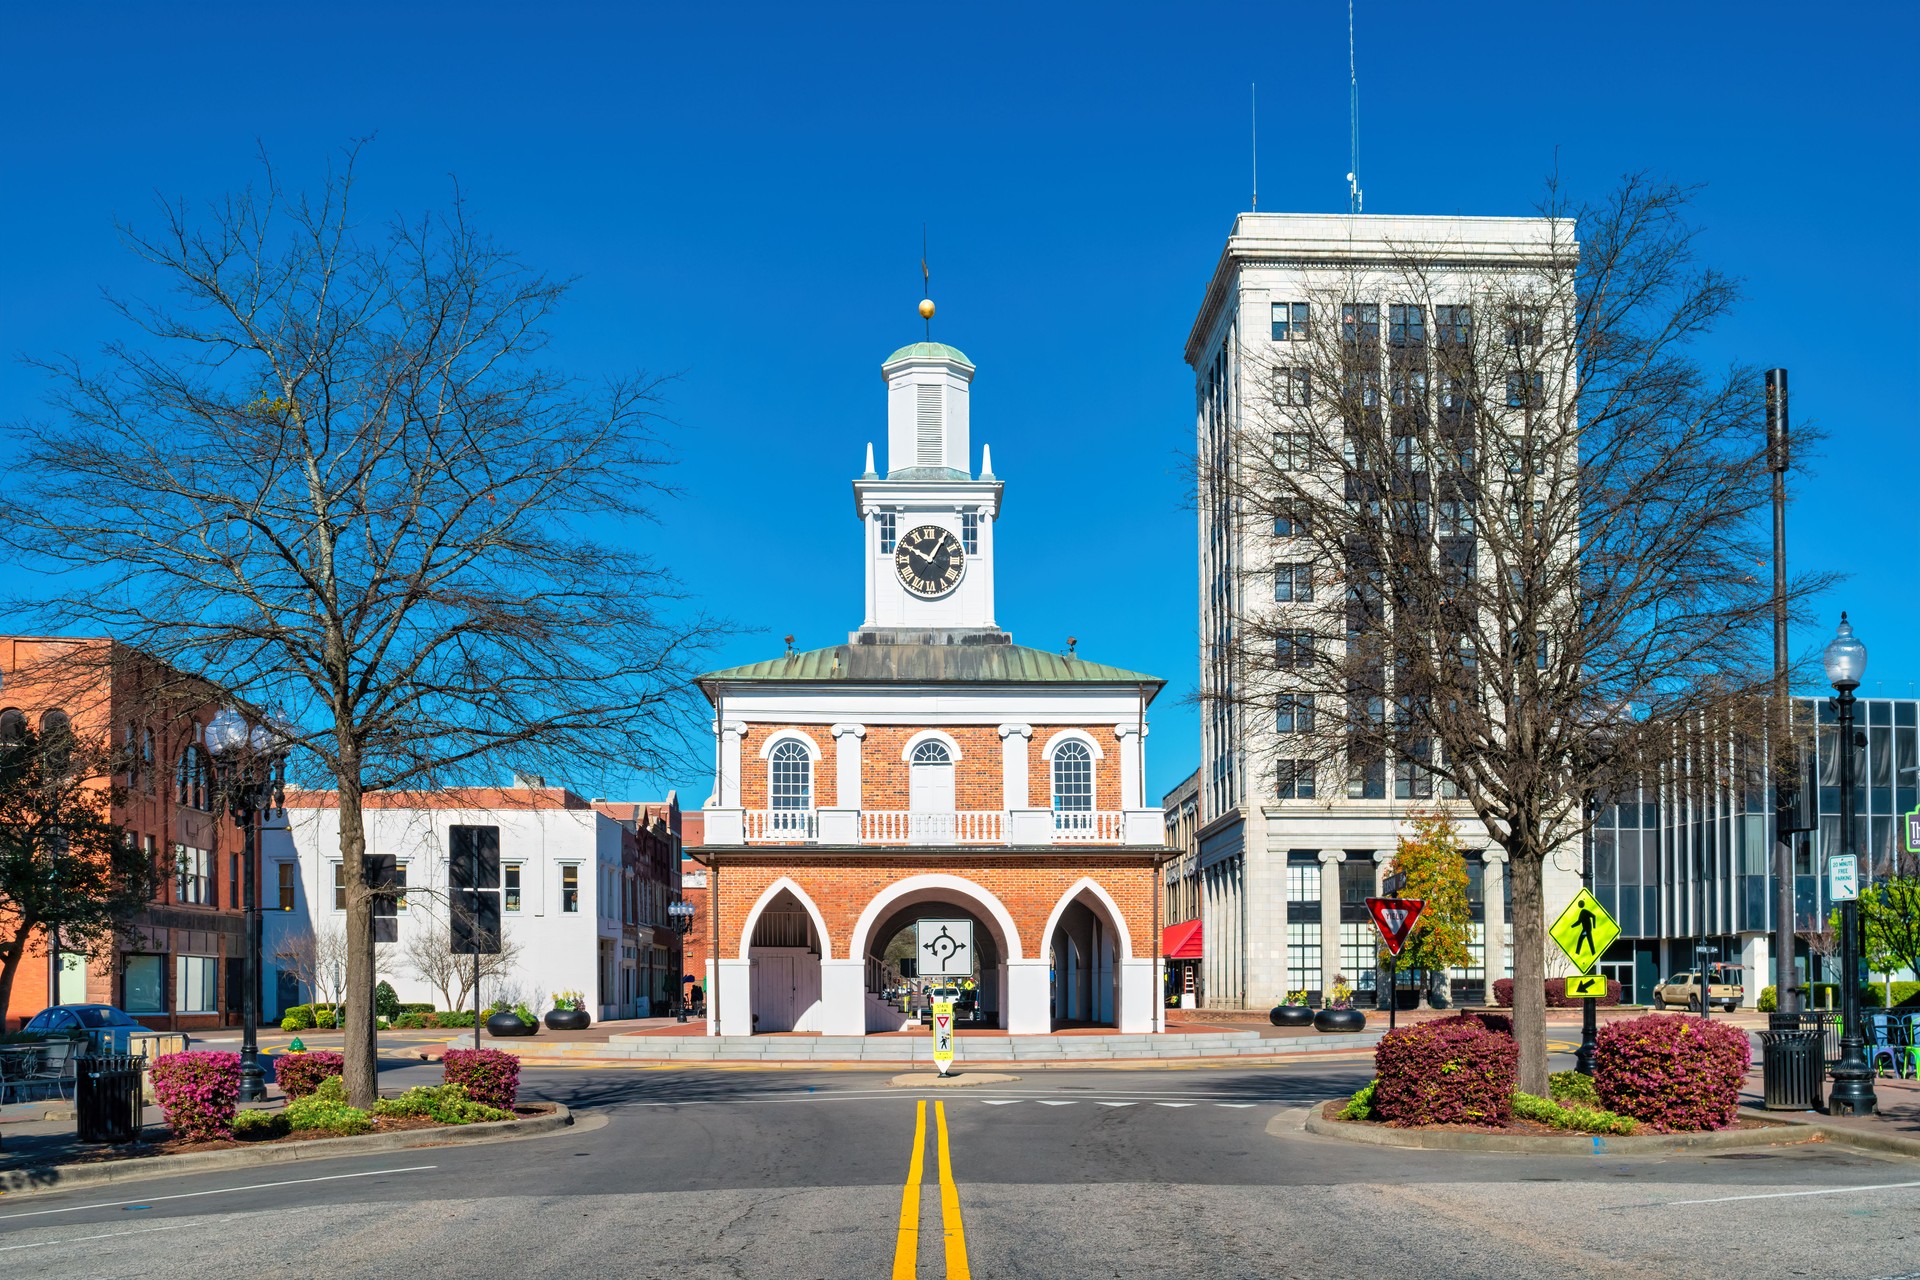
column 1584, row 931
column 1587, row 986
column 943, row 1035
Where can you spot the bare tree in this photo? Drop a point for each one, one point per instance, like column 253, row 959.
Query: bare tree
column 331, row 475
column 429, row 955
column 1508, row 523
column 318, row 959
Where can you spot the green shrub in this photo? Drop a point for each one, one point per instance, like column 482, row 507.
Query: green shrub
column 1573, row 1087
column 386, row 1001
column 326, row 1109
column 1360, row 1105
column 1769, row 1000
column 443, row 1104
column 526, row 1015
column 416, row 1021
column 453, row 1018
column 298, row 1018
column 1574, row 1117
column 260, row 1125
column 406, row 1008
column 324, row 1019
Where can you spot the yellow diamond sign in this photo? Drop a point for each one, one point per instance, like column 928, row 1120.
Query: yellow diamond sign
column 1584, row 931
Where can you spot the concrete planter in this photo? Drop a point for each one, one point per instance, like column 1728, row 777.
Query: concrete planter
column 1340, row 1020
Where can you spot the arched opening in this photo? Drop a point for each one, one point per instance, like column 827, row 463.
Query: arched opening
column 1085, row 947
column 887, row 939
column 783, row 966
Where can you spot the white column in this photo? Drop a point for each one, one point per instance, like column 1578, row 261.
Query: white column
column 1132, row 764
column 1493, row 892
column 731, row 734
column 848, row 740
column 843, row 997
column 1330, row 860
column 1756, row 958
column 1014, row 739
column 1027, row 996
column 736, row 997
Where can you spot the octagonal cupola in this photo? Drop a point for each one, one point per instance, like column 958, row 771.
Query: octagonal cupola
column 928, row 384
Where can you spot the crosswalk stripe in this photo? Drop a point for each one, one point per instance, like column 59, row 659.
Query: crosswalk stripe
column 1048, row 1102
column 1173, row 1104
column 1116, row 1104
column 1237, row 1106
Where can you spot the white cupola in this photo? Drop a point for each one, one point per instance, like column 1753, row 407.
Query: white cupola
column 927, row 413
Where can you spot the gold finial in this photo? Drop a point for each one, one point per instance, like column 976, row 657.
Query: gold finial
column 926, row 308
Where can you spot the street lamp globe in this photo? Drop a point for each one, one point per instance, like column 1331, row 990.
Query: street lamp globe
column 260, row 739
column 226, row 733
column 1845, row 657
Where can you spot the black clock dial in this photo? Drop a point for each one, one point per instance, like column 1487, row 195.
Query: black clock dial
column 929, row 560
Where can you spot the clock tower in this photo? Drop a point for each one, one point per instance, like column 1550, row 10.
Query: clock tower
column 928, row 521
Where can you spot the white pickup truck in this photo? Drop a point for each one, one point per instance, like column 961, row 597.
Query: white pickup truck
column 1684, row 989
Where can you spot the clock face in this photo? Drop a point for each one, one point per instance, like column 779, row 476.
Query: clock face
column 929, row 560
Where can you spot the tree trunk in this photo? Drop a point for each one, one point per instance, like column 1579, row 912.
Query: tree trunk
column 361, row 1074
column 10, row 956
column 1529, row 971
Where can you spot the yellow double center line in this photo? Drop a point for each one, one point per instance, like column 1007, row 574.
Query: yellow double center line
column 906, row 1245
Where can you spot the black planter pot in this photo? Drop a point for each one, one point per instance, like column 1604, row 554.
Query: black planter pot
column 568, row 1020
column 1291, row 1015
column 1340, row 1020
column 508, row 1023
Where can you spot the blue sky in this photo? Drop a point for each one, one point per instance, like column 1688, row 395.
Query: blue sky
column 741, row 193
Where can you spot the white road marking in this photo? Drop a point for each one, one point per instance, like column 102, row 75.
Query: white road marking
column 1049, row 1102
column 1173, row 1104
column 1237, row 1106
column 105, row 1235
column 1788, row 1195
column 999, row 1102
column 218, row 1191
column 1116, row 1104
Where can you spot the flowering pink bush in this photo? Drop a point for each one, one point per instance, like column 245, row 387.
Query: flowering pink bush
column 1671, row 1071
column 198, row 1092
column 299, row 1074
column 1556, row 994
column 490, row 1076
column 1451, row 1071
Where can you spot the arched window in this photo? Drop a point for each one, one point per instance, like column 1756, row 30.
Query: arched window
column 56, row 740
column 932, row 751
column 790, row 781
column 1072, row 778
column 146, row 760
column 193, row 779
column 13, row 725
column 132, row 749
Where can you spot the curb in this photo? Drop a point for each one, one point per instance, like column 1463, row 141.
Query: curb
column 1844, row 1135
column 958, row 1080
column 902, row 1064
column 1528, row 1144
column 63, row 1177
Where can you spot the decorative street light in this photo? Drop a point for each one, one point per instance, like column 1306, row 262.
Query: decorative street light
column 252, row 773
column 1852, row 1094
column 681, row 913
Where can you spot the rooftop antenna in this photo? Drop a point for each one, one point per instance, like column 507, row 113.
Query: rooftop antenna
column 926, row 285
column 1354, row 194
column 1253, row 102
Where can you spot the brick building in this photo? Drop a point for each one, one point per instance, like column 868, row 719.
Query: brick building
column 179, row 967
column 694, row 951
column 930, row 768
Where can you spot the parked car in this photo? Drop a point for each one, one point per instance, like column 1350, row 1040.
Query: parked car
column 1684, row 989
column 105, row 1025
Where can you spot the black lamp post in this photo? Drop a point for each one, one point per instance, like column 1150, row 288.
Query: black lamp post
column 681, row 913
column 252, row 771
column 1852, row 1092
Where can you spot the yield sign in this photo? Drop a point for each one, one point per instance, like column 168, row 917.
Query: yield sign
column 1394, row 918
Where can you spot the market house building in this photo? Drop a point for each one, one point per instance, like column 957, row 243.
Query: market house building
column 930, row 768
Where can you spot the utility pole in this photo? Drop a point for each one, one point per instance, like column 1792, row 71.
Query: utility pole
column 1786, row 984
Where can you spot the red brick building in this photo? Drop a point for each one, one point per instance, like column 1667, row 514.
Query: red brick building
column 180, row 966
column 930, row 769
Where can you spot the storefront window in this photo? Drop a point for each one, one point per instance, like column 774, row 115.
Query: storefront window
column 145, row 982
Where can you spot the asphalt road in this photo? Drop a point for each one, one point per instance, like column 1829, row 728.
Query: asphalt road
column 1065, row 1174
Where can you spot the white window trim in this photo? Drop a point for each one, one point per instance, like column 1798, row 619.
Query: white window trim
column 931, row 735
column 791, row 735
column 521, row 867
column 1071, row 735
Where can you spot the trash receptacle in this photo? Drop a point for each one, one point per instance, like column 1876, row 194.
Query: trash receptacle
column 107, row 1104
column 1793, row 1068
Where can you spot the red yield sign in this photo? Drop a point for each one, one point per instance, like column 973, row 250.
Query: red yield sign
column 1394, row 918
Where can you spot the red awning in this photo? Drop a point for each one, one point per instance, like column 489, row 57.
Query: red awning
column 1181, row 941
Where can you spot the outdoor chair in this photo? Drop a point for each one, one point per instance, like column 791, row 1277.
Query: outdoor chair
column 1886, row 1042
column 17, row 1063
column 59, row 1067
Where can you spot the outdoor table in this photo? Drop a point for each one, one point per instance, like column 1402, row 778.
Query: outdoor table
column 17, row 1062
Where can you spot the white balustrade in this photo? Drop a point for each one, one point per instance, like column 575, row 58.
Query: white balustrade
column 782, row 824
column 902, row 826
column 1094, row 826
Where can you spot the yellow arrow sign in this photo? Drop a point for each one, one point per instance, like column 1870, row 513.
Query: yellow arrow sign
column 1584, row 931
column 1587, row 986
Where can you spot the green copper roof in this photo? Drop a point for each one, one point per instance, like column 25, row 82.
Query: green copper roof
column 929, row 351
column 965, row 663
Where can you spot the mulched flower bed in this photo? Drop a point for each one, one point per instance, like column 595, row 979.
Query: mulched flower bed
column 1517, row 1126
column 160, row 1142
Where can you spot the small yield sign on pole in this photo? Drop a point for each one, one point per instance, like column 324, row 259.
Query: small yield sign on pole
column 1394, row 918
column 943, row 1035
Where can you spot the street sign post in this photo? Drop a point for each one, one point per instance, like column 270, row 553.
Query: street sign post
column 1394, row 918
column 943, row 1035
column 944, row 948
column 1587, row 986
column 1843, row 877
column 1584, row 931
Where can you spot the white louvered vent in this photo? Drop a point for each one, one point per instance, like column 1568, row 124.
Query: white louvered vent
column 927, row 426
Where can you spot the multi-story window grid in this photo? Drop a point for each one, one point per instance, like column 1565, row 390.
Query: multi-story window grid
column 1453, row 324
column 1360, row 322
column 192, row 875
column 1293, row 779
column 1293, row 582
column 1219, row 730
column 1293, row 713
column 1293, row 649
column 1292, row 386
column 1292, row 449
column 1406, row 325
column 1289, row 322
column 888, row 524
column 193, row 778
column 1289, row 521
column 789, row 788
column 1359, row 952
column 970, row 532
column 1526, row 390
column 1524, row 325
column 1303, row 925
